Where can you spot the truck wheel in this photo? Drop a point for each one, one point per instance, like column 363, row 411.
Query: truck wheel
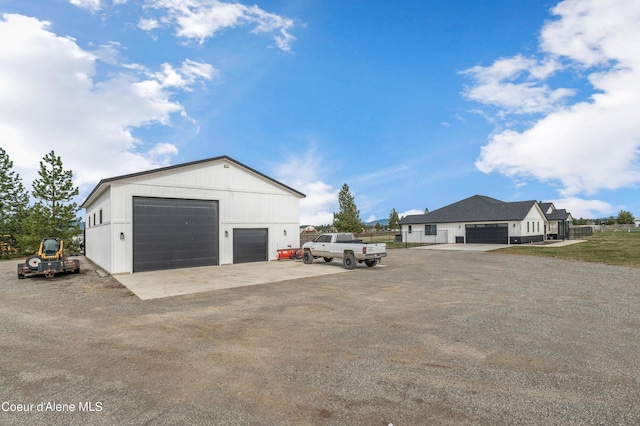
column 33, row 262
column 371, row 263
column 349, row 261
column 307, row 258
column 328, row 259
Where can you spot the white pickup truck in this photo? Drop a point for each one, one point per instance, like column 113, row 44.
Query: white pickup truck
column 344, row 246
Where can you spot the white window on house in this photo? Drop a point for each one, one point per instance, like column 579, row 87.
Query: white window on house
column 409, row 228
column 89, row 221
column 527, row 226
column 538, row 226
column 100, row 217
column 94, row 219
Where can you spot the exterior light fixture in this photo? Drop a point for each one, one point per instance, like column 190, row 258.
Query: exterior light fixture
column 122, row 235
column 285, row 232
column 226, row 234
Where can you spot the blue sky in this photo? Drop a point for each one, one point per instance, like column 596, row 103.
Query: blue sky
column 413, row 104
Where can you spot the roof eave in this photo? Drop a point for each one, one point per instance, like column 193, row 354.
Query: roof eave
column 96, row 191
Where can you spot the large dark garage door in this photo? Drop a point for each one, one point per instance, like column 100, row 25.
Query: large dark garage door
column 250, row 245
column 174, row 233
column 490, row 233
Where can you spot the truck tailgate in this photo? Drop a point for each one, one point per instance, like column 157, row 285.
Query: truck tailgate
column 375, row 248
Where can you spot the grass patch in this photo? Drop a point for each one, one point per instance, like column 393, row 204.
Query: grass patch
column 613, row 248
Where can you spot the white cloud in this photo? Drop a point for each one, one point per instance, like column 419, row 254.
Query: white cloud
column 319, row 205
column 579, row 207
column 51, row 97
column 302, row 172
column 161, row 153
column 515, row 85
column 590, row 145
column 201, row 19
column 92, row 5
column 148, row 24
column 410, row 212
column 185, row 76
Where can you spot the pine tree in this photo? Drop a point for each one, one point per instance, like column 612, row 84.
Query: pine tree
column 625, row 217
column 348, row 218
column 54, row 213
column 13, row 205
column 394, row 219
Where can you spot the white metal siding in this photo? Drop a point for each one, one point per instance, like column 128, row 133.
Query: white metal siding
column 98, row 236
column 246, row 200
column 536, row 223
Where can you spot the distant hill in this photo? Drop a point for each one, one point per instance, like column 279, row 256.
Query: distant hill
column 382, row 222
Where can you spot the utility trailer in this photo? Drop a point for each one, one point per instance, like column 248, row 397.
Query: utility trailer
column 50, row 260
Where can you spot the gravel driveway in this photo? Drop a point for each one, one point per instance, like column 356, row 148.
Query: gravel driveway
column 436, row 337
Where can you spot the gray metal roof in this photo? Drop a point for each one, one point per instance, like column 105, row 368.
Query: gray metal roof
column 477, row 208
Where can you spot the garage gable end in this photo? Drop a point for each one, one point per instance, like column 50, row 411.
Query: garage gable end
column 221, row 173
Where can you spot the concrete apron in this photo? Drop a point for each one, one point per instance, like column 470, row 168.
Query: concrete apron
column 175, row 282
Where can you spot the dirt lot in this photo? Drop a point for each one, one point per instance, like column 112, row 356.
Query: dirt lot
column 436, row 337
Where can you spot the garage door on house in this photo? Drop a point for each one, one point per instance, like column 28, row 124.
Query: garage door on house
column 487, row 233
column 173, row 233
column 250, row 245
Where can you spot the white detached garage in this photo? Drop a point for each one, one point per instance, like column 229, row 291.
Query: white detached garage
column 210, row 212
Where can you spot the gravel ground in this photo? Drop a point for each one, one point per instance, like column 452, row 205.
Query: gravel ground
column 435, row 337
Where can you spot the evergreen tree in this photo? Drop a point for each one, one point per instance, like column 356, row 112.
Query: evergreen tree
column 348, row 218
column 625, row 217
column 394, row 219
column 54, row 213
column 13, row 204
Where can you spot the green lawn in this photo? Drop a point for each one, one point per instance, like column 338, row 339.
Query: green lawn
column 613, row 248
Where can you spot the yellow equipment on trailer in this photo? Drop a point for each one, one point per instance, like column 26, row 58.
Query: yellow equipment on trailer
column 50, row 260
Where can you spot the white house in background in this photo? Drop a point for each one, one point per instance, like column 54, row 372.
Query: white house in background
column 481, row 219
column 558, row 221
column 209, row 212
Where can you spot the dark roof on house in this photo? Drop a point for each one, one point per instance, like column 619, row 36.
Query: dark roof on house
column 560, row 214
column 554, row 214
column 177, row 166
column 477, row 208
column 545, row 207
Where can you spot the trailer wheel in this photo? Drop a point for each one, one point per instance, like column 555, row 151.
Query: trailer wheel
column 21, row 276
column 307, row 258
column 371, row 263
column 349, row 261
column 328, row 259
column 33, row 262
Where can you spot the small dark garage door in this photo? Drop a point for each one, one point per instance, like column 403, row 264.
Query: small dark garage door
column 489, row 233
column 250, row 245
column 174, row 233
